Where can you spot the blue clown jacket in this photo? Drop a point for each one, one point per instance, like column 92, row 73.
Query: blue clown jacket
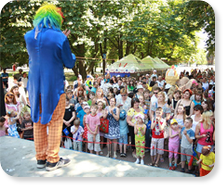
column 49, row 51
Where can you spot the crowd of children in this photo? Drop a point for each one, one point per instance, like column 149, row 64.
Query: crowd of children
column 140, row 113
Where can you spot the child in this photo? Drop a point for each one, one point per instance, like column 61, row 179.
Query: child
column 78, row 106
column 123, row 140
column 141, row 101
column 174, row 143
column 12, row 130
column 27, row 126
column 77, row 132
column 157, row 126
column 100, row 113
column 68, row 120
column 140, row 131
column 110, row 96
column 86, row 110
column 91, row 98
column 81, row 113
column 187, row 136
column 207, row 160
column 69, row 94
column 93, row 123
column 180, row 115
column 3, row 128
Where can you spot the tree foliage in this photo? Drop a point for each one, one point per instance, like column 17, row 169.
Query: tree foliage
column 164, row 29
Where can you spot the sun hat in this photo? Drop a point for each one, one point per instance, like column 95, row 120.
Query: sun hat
column 140, row 87
column 141, row 116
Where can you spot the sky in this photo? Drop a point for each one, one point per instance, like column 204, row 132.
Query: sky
column 203, row 37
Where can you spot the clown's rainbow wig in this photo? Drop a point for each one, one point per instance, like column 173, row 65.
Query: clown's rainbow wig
column 49, row 16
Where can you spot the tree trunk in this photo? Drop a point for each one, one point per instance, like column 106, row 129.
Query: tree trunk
column 120, row 47
column 128, row 46
column 103, row 50
column 82, row 66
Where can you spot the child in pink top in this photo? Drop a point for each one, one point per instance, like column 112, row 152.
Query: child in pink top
column 174, row 142
column 93, row 123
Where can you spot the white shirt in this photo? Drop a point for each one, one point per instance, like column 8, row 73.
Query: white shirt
column 194, row 123
column 78, row 135
column 205, row 85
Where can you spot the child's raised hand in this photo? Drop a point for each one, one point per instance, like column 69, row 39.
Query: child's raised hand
column 185, row 132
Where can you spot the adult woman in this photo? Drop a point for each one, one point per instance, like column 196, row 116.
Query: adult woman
column 124, row 103
column 161, row 103
column 19, row 98
column 204, row 132
column 131, row 86
column 100, row 96
column 131, row 120
column 114, row 131
column 197, row 98
column 80, row 92
column 206, row 104
column 187, row 103
column 197, row 116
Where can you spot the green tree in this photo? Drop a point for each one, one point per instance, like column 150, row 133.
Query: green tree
column 164, row 29
column 15, row 20
column 197, row 15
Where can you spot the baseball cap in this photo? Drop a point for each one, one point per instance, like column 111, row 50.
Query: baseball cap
column 173, row 121
column 86, row 107
column 84, row 102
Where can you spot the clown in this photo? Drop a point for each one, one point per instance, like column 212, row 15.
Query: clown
column 49, row 51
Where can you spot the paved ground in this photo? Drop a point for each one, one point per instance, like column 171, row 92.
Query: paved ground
column 147, row 159
column 17, row 157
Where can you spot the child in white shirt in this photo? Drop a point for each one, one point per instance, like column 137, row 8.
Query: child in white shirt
column 77, row 132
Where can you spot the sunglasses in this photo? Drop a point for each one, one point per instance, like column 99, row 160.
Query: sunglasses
column 124, row 95
column 9, row 95
column 155, row 93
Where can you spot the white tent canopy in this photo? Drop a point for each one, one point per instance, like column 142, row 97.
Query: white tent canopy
column 128, row 64
column 131, row 64
column 155, row 63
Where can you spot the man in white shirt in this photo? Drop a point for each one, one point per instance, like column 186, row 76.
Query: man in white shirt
column 160, row 82
column 205, row 84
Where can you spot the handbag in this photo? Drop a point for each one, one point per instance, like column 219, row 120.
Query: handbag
column 104, row 126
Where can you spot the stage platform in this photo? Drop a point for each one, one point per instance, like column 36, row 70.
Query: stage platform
column 17, row 158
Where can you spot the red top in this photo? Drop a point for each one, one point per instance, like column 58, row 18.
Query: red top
column 156, row 132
